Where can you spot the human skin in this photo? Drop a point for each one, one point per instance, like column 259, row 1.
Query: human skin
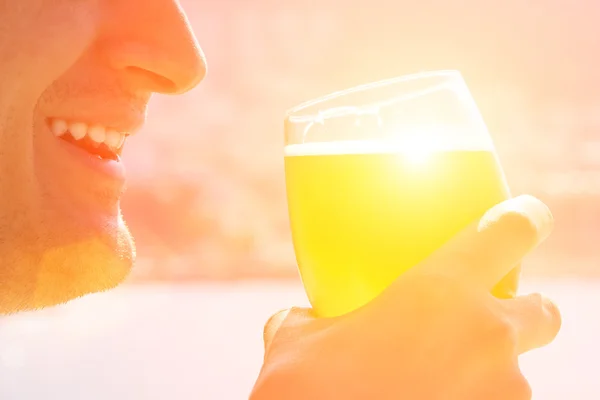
column 92, row 61
column 436, row 333
column 89, row 67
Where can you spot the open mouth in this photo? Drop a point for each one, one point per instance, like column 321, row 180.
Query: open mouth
column 99, row 141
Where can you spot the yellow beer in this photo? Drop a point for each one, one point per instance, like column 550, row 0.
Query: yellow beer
column 362, row 212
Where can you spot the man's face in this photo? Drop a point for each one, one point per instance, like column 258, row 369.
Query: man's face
column 75, row 79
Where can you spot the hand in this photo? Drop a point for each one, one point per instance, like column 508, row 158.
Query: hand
column 435, row 333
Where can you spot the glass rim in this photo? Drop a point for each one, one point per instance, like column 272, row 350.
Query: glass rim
column 450, row 73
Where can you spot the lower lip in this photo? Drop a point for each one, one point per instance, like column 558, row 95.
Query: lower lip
column 113, row 169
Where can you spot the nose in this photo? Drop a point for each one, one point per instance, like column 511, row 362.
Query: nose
column 152, row 43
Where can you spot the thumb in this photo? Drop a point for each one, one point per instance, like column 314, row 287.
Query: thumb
column 272, row 326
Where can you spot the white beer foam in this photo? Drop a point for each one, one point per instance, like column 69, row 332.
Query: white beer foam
column 388, row 146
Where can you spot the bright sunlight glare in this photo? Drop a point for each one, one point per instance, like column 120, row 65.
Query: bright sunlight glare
column 418, row 154
column 415, row 150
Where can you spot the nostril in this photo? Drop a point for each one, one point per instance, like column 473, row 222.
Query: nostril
column 154, row 81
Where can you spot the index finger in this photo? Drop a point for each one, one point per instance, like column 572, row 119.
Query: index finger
column 488, row 249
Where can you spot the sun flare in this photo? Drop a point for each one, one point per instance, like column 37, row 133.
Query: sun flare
column 416, row 151
column 418, row 155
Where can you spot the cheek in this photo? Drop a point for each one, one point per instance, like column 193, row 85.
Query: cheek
column 44, row 40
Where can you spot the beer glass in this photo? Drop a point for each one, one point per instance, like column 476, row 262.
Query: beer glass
column 380, row 176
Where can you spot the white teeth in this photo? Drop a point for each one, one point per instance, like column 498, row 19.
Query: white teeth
column 97, row 133
column 59, row 127
column 78, row 130
column 114, row 139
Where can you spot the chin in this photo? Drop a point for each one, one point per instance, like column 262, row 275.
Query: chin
column 91, row 262
column 66, row 263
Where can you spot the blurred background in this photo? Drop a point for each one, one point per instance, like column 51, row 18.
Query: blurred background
column 206, row 198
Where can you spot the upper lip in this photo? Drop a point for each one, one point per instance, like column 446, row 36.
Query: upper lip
column 127, row 124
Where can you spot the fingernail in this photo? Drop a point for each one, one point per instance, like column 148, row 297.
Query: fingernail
column 526, row 211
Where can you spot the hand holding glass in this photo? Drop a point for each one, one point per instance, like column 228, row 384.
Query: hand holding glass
column 380, row 176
